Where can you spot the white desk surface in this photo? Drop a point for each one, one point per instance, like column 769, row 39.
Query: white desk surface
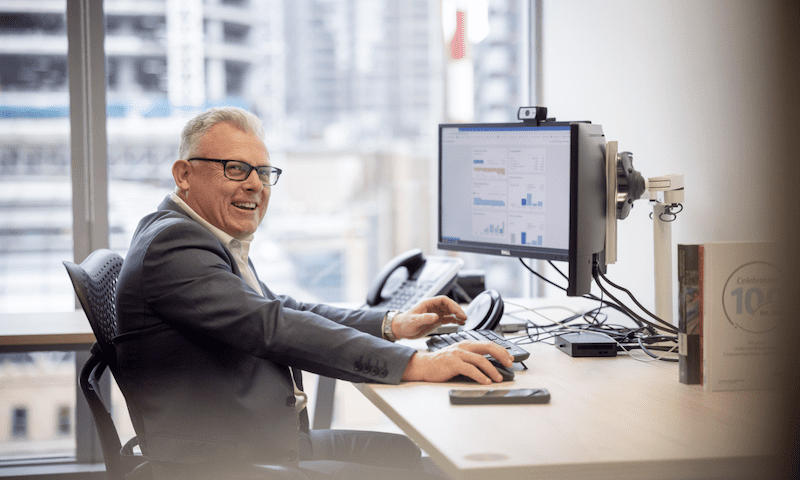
column 45, row 331
column 608, row 418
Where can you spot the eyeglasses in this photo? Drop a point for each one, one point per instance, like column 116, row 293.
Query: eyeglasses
column 239, row 171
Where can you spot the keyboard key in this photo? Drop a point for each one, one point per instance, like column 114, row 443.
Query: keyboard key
column 438, row 342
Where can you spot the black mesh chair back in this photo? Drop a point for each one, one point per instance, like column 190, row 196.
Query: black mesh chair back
column 95, row 282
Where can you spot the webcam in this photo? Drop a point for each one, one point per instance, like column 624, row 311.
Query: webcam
column 532, row 114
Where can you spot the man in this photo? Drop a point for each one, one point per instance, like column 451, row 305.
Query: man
column 205, row 349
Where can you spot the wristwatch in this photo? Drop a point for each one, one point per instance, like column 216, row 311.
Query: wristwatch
column 387, row 325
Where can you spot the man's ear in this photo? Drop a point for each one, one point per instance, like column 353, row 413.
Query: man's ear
column 180, row 172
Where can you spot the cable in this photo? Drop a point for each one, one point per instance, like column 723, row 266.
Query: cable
column 670, row 213
column 550, row 262
column 596, row 321
column 632, row 298
column 664, row 326
column 627, row 350
column 620, row 308
column 540, row 276
column 648, row 352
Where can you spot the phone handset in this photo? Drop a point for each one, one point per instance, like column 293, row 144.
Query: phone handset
column 410, row 278
column 412, row 260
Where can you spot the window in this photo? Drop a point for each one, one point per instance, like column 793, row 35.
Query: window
column 35, row 191
column 19, row 423
column 36, row 220
column 349, row 101
column 37, row 398
column 301, row 67
column 235, row 33
column 64, row 421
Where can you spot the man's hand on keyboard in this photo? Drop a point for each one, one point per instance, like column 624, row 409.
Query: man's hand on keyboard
column 463, row 358
column 426, row 316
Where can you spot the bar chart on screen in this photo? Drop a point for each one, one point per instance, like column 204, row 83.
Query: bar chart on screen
column 527, row 193
column 488, row 225
column 524, row 230
column 489, row 194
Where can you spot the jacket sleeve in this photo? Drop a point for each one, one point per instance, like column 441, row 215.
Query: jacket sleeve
column 190, row 282
column 367, row 321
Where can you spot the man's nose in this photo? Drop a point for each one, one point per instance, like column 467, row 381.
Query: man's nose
column 252, row 182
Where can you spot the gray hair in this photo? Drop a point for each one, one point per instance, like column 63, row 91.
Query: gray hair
column 202, row 123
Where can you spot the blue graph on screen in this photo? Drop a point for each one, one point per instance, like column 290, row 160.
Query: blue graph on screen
column 489, row 203
column 528, row 201
column 534, row 242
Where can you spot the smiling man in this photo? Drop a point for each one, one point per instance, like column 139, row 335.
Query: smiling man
column 203, row 182
column 209, row 358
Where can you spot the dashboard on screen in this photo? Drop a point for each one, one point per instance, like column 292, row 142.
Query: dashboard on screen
column 505, row 187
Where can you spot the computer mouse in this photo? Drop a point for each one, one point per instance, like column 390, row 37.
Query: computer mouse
column 506, row 372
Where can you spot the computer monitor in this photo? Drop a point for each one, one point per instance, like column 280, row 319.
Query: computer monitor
column 525, row 190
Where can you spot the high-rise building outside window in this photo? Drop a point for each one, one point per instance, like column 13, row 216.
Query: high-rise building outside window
column 35, row 190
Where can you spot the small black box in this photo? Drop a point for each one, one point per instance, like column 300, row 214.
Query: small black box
column 586, row 344
column 469, row 284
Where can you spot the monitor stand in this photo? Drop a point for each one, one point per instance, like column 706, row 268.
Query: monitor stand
column 666, row 196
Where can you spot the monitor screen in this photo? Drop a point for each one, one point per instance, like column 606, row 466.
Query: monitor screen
column 524, row 191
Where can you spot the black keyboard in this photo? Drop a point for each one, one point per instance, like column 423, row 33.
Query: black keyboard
column 438, row 342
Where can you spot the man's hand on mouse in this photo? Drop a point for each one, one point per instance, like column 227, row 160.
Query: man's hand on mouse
column 463, row 358
column 426, row 316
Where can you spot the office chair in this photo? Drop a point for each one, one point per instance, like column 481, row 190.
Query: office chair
column 95, row 283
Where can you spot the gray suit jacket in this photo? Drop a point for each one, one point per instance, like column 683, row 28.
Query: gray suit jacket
column 202, row 358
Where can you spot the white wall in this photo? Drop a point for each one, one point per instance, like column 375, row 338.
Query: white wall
column 686, row 86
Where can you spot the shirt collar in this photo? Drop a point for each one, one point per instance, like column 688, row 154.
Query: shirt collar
column 224, row 237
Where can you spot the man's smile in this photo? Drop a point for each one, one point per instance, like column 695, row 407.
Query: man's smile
column 245, row 205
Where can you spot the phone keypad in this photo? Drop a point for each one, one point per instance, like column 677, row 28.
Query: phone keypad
column 407, row 295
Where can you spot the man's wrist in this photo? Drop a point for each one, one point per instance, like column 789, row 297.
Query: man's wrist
column 386, row 325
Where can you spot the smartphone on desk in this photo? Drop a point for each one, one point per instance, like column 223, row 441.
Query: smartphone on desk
column 513, row 396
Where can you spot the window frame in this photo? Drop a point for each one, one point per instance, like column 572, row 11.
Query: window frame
column 89, row 168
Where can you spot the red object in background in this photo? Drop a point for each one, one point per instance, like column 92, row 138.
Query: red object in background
column 457, row 45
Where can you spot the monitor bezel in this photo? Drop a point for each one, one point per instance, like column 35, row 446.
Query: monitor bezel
column 587, row 222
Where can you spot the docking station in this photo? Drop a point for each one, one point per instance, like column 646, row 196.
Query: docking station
column 586, row 344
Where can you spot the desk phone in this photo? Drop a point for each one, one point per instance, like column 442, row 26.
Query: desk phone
column 410, row 278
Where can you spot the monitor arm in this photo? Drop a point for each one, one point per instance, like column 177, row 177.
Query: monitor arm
column 624, row 186
column 666, row 196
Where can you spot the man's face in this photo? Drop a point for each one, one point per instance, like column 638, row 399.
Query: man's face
column 236, row 208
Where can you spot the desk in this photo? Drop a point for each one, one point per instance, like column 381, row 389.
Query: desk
column 58, row 331
column 609, row 418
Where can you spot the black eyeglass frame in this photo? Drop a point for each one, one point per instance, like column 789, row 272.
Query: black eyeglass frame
column 259, row 170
